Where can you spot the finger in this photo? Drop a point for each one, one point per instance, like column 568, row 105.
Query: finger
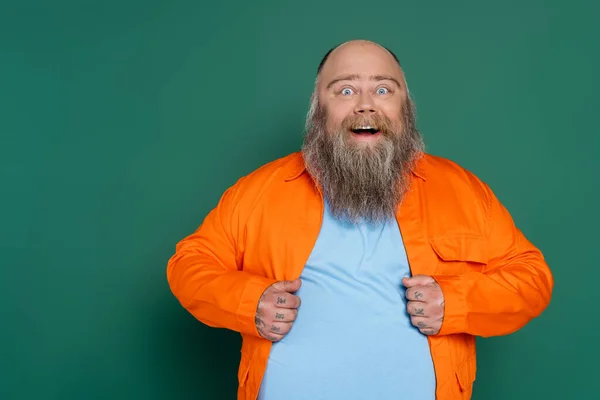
column 287, row 286
column 417, row 308
column 416, row 294
column 419, row 280
column 285, row 315
column 279, row 328
column 265, row 331
column 292, row 286
column 420, row 322
column 274, row 337
column 426, row 325
column 286, row 300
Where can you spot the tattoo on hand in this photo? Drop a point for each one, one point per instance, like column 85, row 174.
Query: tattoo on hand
column 421, row 324
column 259, row 322
column 419, row 311
column 278, row 316
column 275, row 328
column 280, row 300
column 418, row 295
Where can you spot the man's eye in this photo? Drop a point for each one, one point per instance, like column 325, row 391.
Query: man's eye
column 382, row 90
column 347, row 92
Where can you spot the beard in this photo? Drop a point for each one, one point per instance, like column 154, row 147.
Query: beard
column 362, row 181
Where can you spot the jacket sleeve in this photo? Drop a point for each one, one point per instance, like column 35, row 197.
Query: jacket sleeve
column 206, row 276
column 514, row 287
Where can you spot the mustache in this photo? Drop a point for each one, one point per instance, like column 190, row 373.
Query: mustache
column 375, row 121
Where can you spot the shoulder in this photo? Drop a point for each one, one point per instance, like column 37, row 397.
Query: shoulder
column 250, row 188
column 276, row 170
column 448, row 179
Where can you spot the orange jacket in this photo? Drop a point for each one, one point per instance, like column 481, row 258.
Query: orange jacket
column 263, row 229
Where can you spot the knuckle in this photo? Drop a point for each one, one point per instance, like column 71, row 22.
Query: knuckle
column 265, row 308
column 264, row 302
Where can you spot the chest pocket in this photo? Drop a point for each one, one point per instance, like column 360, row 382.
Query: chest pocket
column 458, row 254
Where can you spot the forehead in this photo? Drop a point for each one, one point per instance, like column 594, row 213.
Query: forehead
column 364, row 60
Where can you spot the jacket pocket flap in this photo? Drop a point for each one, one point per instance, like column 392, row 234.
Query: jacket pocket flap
column 461, row 248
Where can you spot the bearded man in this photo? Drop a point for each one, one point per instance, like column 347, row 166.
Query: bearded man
column 360, row 267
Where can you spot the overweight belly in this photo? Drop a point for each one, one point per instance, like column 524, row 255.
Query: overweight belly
column 349, row 347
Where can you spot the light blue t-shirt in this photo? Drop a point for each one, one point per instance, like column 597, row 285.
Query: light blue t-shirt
column 352, row 339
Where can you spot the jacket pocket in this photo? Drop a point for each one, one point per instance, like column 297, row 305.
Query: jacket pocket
column 460, row 253
column 243, row 369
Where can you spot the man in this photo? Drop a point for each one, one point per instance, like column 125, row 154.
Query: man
column 360, row 267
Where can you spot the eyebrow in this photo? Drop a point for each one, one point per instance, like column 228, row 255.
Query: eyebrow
column 372, row 78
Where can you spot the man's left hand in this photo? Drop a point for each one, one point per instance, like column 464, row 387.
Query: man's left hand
column 425, row 303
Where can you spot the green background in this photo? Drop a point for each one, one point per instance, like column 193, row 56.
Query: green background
column 122, row 122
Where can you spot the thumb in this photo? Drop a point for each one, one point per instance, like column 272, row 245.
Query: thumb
column 287, row 286
column 417, row 280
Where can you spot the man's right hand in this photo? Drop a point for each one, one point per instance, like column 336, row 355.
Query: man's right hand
column 277, row 309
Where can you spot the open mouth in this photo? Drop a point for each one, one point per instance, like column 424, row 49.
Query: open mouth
column 365, row 130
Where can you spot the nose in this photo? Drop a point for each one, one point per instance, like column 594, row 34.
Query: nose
column 365, row 105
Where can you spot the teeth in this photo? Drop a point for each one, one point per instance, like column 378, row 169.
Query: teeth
column 365, row 127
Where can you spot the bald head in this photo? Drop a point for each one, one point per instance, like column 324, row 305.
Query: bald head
column 326, row 57
column 351, row 51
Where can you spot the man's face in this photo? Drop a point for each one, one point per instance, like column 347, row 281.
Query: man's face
column 361, row 139
column 362, row 86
